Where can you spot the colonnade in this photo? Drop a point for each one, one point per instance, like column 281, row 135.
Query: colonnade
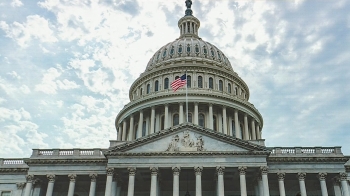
column 220, row 118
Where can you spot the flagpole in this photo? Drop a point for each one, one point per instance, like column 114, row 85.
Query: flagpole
column 186, row 98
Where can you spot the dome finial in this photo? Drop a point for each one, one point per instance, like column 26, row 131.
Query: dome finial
column 188, row 11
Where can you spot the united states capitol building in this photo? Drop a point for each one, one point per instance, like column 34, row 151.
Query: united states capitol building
column 208, row 143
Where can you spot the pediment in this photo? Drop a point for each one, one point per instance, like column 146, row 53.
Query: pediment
column 186, row 138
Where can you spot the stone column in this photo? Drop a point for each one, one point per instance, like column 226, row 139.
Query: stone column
column 72, row 178
column 153, row 113
column 181, row 113
column 157, row 122
column 336, row 186
column 131, row 128
column 114, row 185
column 139, row 131
column 176, row 183
column 280, row 177
column 30, row 179
column 253, row 130
column 154, row 173
column 237, row 129
column 92, row 184
column 195, row 113
column 198, row 173
column 344, row 183
column 20, row 187
column 50, row 185
column 110, row 173
column 131, row 186
column 210, row 116
column 120, row 130
column 220, row 172
column 219, row 125
column 242, row 170
column 260, row 185
column 322, row 178
column 124, row 131
column 229, row 129
column 264, row 171
column 258, row 134
column 166, row 116
column 224, row 119
column 301, row 177
column 246, row 134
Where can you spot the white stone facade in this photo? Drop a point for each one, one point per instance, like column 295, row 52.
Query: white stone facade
column 207, row 144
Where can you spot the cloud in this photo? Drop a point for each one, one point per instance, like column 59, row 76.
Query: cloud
column 16, row 3
column 24, row 33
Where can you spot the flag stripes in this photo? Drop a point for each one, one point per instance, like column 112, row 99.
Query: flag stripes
column 178, row 83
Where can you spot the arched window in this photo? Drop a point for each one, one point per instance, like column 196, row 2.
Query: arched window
column 162, row 123
column 200, row 82
column 214, row 123
column 233, row 129
column 175, row 119
column 166, row 83
column 164, row 53
column 229, row 88
column 188, row 81
column 236, row 90
column 141, row 91
column 180, row 49
column 176, row 77
column 188, row 48
column 219, row 56
column 144, row 128
column 211, row 83
column 221, row 85
column 148, row 88
column 201, row 120
column 190, row 117
column 172, row 51
column 156, row 84
column 212, row 53
column 205, row 51
column 197, row 49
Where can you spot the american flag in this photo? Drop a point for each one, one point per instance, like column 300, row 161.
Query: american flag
column 178, row 83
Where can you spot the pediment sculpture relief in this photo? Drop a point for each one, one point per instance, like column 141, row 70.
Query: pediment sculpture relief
column 186, row 143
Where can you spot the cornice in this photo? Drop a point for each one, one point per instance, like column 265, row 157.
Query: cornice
column 191, row 154
column 160, row 134
column 159, row 95
column 307, row 159
column 14, row 170
column 65, row 161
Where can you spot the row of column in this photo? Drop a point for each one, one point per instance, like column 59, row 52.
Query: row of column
column 255, row 133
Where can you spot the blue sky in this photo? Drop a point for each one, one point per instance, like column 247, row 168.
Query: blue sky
column 67, row 65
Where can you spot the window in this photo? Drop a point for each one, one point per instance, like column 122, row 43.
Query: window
column 180, row 49
column 148, row 88
column 5, row 193
column 201, row 121
column 176, row 77
column 219, row 56
column 190, row 117
column 158, row 56
column 214, row 123
column 220, row 85
column 144, row 128
column 200, row 82
column 188, row 81
column 156, row 83
column 188, row 48
column 162, row 123
column 166, row 83
column 211, row 83
column 197, row 49
column 212, row 53
column 141, row 91
column 164, row 53
column 229, row 88
column 205, row 51
column 172, row 51
column 175, row 119
column 236, row 90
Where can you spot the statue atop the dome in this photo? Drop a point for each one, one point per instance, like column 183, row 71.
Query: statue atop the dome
column 188, row 4
column 188, row 11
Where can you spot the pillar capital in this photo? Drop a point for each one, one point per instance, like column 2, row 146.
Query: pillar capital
column 220, row 170
column 280, row 176
column 264, row 170
column 198, row 170
column 176, row 171
column 51, row 177
column 343, row 176
column 20, row 185
column 132, row 171
column 30, row 178
column 242, row 170
column 72, row 177
column 301, row 175
column 322, row 176
column 154, row 171
column 110, row 171
column 93, row 177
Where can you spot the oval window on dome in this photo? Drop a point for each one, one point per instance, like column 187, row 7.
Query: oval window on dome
column 164, row 53
column 188, row 48
column 205, row 51
column 158, row 56
column 172, row 51
column 180, row 49
column 219, row 56
column 197, row 49
column 212, row 53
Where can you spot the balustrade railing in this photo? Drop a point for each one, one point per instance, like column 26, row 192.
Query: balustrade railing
column 305, row 150
column 12, row 162
column 67, row 152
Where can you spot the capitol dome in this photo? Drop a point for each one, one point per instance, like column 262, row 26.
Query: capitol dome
column 216, row 98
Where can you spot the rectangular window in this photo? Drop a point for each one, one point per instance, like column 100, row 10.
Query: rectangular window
column 6, row 193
